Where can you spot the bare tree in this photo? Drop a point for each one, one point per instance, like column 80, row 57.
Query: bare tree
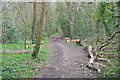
column 70, row 6
column 34, row 21
column 37, row 46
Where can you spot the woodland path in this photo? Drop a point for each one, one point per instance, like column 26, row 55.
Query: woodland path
column 65, row 61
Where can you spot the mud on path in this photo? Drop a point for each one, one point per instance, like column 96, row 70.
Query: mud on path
column 65, row 61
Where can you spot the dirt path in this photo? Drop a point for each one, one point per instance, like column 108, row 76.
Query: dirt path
column 65, row 61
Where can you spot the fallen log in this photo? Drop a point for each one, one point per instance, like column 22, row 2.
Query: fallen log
column 91, row 64
column 92, row 58
column 78, row 42
column 15, row 51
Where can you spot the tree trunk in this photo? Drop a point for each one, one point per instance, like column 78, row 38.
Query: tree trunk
column 26, row 25
column 71, row 17
column 48, row 21
column 34, row 22
column 118, row 26
column 37, row 46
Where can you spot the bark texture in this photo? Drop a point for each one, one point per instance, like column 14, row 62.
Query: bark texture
column 37, row 46
column 34, row 22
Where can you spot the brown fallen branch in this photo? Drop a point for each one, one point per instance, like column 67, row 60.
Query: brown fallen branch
column 99, row 64
column 15, row 51
column 114, row 42
column 101, row 53
column 103, row 39
column 102, row 59
column 95, row 66
column 108, row 40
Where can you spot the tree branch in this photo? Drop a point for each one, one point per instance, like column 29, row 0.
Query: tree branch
column 107, row 41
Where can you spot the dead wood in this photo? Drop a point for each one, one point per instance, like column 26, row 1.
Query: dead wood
column 15, row 51
column 108, row 40
column 92, row 64
column 92, row 58
column 99, row 64
column 102, row 59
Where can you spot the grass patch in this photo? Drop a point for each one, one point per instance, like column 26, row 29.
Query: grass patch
column 111, row 69
column 17, row 65
column 21, row 65
column 15, row 46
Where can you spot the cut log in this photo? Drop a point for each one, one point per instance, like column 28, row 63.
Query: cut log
column 66, row 38
column 28, row 46
column 78, row 41
column 68, row 41
column 41, row 42
column 31, row 45
column 15, row 51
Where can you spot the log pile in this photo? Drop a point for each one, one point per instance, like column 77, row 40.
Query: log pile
column 78, row 41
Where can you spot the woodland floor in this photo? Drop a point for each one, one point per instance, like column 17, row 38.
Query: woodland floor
column 65, row 61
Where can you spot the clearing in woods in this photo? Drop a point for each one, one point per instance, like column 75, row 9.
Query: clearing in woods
column 65, row 61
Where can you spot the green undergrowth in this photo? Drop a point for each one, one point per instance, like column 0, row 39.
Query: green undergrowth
column 112, row 68
column 22, row 65
column 15, row 46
